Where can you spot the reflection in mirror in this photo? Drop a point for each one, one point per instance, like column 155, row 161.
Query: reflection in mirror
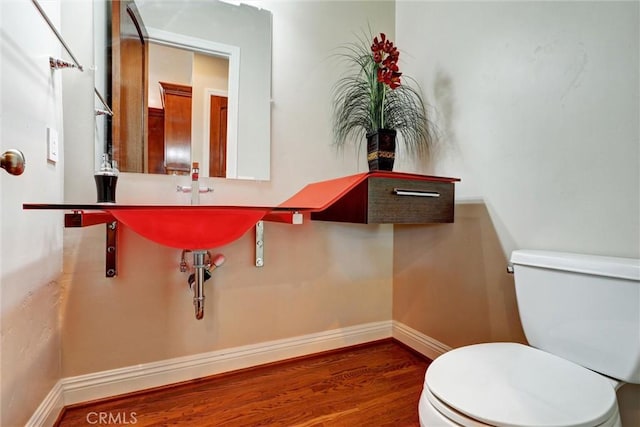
column 212, row 39
column 187, row 102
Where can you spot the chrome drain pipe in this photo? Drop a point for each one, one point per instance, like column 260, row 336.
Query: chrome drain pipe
column 198, row 286
column 203, row 265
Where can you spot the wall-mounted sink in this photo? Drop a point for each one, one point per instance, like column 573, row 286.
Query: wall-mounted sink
column 198, row 227
column 177, row 226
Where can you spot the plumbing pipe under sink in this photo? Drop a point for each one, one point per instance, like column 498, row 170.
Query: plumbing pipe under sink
column 198, row 291
column 201, row 273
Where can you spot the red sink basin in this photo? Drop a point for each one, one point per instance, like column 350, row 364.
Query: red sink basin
column 192, row 227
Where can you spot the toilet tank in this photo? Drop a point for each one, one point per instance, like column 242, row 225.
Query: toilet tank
column 583, row 308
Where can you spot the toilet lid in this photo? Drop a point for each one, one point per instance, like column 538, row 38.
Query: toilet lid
column 509, row 384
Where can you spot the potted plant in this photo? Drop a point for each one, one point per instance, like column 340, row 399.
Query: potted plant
column 374, row 102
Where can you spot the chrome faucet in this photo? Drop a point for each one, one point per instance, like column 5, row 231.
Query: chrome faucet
column 195, row 188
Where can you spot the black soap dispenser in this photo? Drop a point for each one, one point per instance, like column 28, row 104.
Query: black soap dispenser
column 106, row 179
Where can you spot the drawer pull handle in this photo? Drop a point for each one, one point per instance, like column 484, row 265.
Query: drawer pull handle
column 419, row 193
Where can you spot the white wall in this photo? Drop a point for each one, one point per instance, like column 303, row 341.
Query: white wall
column 537, row 106
column 31, row 241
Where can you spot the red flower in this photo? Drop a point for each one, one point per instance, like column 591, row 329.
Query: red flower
column 389, row 77
column 386, row 55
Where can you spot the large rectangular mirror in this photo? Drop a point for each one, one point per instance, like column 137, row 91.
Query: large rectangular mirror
column 190, row 81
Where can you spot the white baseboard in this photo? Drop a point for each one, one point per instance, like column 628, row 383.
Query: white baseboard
column 100, row 385
column 47, row 413
column 418, row 341
column 113, row 382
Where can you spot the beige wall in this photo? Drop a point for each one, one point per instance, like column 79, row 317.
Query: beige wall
column 450, row 280
column 146, row 314
column 31, row 345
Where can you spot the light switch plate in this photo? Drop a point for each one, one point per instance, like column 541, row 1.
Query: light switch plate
column 52, row 145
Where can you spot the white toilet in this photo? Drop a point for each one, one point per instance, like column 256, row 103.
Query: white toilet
column 581, row 316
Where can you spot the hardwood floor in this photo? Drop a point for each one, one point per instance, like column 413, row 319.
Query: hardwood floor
column 375, row 384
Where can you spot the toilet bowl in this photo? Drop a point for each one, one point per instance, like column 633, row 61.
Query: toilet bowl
column 579, row 314
column 510, row 384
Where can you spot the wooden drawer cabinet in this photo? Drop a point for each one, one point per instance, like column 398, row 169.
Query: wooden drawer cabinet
column 402, row 201
column 382, row 198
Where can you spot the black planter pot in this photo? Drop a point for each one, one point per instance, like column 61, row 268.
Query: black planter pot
column 381, row 149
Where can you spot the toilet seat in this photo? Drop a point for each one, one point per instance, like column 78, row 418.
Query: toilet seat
column 509, row 384
column 445, row 416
